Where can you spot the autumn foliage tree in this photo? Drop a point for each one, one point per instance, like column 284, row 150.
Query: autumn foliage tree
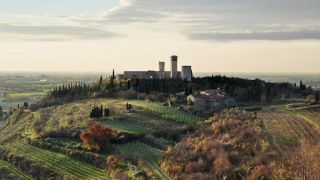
column 96, row 137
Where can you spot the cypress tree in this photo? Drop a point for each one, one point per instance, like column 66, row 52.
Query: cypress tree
column 1, row 112
column 101, row 111
column 129, row 85
column 100, row 81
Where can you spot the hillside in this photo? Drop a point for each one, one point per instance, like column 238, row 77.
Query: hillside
column 151, row 142
column 50, row 136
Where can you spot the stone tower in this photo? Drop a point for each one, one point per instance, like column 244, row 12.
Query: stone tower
column 174, row 67
column 186, row 73
column 162, row 66
column 161, row 73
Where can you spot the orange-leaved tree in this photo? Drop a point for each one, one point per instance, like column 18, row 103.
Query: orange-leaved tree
column 96, row 137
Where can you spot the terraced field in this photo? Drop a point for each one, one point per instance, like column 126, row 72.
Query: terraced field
column 168, row 113
column 311, row 115
column 287, row 130
column 13, row 170
column 57, row 162
column 128, row 126
column 145, row 118
column 148, row 154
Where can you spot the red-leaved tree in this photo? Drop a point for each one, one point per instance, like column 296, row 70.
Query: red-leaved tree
column 96, row 137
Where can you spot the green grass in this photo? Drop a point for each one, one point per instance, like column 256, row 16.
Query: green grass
column 59, row 163
column 14, row 170
column 302, row 115
column 26, row 94
column 148, row 154
column 127, row 126
column 287, row 141
column 168, row 113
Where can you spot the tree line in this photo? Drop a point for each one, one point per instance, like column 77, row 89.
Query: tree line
column 83, row 89
column 243, row 90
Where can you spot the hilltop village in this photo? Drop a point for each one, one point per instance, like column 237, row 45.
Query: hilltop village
column 185, row 73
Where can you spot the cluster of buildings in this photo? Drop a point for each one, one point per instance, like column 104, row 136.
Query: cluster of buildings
column 210, row 98
column 185, row 73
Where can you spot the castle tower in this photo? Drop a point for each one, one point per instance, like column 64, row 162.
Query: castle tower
column 186, row 73
column 162, row 66
column 161, row 73
column 174, row 67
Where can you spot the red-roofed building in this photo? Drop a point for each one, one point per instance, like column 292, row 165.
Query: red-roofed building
column 210, row 98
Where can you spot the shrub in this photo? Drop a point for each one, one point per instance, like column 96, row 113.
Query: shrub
column 230, row 148
column 222, row 164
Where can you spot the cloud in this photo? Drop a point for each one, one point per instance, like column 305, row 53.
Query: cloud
column 293, row 35
column 272, row 19
column 59, row 32
column 195, row 19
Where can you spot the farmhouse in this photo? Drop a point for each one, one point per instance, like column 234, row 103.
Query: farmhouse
column 210, row 98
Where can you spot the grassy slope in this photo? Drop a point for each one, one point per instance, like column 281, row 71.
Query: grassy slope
column 285, row 129
column 148, row 154
column 24, row 123
column 168, row 113
column 59, row 163
column 288, row 128
column 143, row 119
column 12, row 169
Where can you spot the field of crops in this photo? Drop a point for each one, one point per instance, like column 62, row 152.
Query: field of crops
column 311, row 115
column 57, row 162
column 168, row 113
column 146, row 118
column 15, row 171
column 288, row 130
column 126, row 126
column 148, row 154
column 2, row 123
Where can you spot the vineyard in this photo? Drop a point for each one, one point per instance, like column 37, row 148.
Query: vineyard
column 311, row 115
column 288, row 130
column 57, row 162
column 15, row 171
column 69, row 158
column 153, row 126
column 126, row 126
column 2, row 123
column 148, row 154
column 168, row 113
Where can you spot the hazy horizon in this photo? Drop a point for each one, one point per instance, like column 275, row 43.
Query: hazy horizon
column 119, row 72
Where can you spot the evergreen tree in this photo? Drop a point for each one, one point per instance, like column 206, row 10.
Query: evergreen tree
column 129, row 85
column 96, row 112
column 25, row 105
column 1, row 112
column 100, row 81
column 302, row 86
column 106, row 112
column 112, row 78
column 101, row 111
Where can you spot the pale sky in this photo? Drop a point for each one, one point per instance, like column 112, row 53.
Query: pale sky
column 210, row 35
